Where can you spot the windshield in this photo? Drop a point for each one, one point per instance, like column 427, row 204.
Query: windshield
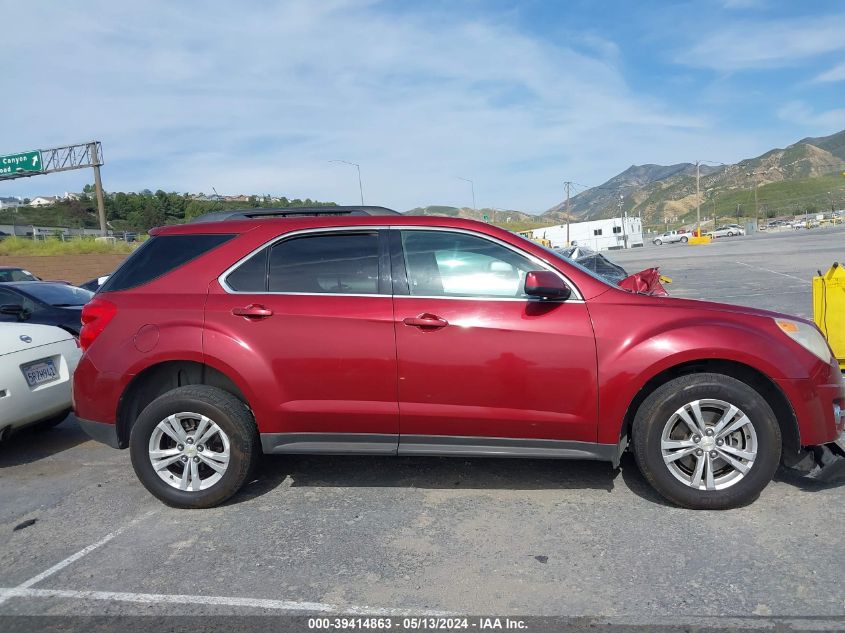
column 16, row 274
column 57, row 294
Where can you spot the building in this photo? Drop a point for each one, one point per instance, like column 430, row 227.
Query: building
column 43, row 201
column 10, row 203
column 599, row 235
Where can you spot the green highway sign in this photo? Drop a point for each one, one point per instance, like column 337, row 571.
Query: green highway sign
column 20, row 163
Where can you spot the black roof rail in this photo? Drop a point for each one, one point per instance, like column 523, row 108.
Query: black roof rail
column 290, row 212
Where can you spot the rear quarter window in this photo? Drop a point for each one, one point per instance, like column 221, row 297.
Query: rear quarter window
column 160, row 255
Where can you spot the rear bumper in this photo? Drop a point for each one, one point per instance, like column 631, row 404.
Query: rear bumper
column 101, row 431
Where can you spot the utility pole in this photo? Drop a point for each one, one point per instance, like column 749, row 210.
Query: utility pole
column 698, row 198
column 98, row 187
column 623, row 218
column 756, row 204
column 568, row 185
column 737, row 212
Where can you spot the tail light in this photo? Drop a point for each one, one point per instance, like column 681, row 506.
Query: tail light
column 95, row 317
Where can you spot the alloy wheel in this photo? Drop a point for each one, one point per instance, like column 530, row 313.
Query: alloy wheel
column 709, row 444
column 189, row 451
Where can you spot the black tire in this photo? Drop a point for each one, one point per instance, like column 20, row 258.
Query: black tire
column 659, row 407
column 225, row 410
column 49, row 423
column 658, row 242
column 684, row 240
column 730, row 234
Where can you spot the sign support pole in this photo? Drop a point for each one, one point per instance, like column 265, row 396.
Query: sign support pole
column 98, row 189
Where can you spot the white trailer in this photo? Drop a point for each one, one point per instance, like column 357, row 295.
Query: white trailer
column 599, row 235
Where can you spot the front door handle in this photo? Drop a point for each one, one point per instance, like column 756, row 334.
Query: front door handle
column 253, row 311
column 426, row 320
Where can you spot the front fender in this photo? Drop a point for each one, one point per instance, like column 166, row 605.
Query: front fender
column 627, row 363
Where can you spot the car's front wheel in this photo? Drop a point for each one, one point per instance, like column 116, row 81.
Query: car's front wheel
column 707, row 441
column 194, row 446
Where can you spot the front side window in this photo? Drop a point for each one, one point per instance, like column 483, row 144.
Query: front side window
column 446, row 264
column 7, row 297
column 331, row 263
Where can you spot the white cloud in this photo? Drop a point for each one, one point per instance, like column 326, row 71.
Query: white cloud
column 801, row 113
column 767, row 43
column 257, row 98
column 837, row 73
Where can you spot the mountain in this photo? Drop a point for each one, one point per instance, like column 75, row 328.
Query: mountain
column 802, row 176
column 496, row 216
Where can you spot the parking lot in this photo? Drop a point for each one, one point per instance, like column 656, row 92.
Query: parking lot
column 79, row 535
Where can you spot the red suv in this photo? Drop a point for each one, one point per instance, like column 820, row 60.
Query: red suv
column 359, row 330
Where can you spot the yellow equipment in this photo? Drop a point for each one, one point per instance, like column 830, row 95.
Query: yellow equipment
column 829, row 309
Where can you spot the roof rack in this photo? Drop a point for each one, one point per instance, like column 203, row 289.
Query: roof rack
column 291, row 212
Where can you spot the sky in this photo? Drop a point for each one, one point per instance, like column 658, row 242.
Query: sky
column 519, row 96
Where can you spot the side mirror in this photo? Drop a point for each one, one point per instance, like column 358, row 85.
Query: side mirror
column 15, row 310
column 546, row 285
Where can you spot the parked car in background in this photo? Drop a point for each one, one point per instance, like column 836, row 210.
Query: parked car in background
column 36, row 365
column 11, row 273
column 727, row 230
column 93, row 285
column 670, row 237
column 44, row 302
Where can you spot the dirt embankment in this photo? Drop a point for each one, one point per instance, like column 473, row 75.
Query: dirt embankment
column 73, row 268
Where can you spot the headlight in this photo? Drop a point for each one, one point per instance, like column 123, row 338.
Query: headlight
column 807, row 336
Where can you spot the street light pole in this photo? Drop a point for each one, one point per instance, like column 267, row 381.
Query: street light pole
column 472, row 185
column 358, row 167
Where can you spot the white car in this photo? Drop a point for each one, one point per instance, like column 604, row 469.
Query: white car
column 36, row 365
column 727, row 231
column 671, row 237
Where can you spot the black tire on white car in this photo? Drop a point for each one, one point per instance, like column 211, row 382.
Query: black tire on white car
column 684, row 239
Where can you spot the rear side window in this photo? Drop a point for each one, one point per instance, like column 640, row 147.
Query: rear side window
column 335, row 263
column 251, row 276
column 160, row 255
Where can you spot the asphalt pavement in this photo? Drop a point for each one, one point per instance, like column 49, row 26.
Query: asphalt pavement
column 366, row 535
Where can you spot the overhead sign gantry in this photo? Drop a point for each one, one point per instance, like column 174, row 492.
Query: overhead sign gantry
column 56, row 159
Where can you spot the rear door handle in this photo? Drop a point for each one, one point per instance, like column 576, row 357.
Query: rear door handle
column 253, row 311
column 426, row 320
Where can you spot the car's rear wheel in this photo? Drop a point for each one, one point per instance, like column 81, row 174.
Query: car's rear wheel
column 730, row 234
column 658, row 242
column 194, row 447
column 707, row 441
column 684, row 240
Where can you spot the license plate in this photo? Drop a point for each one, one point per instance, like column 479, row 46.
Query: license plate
column 40, row 372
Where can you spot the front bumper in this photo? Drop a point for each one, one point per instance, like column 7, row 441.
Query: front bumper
column 101, row 431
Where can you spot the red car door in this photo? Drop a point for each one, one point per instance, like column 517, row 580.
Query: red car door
column 308, row 322
column 483, row 368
